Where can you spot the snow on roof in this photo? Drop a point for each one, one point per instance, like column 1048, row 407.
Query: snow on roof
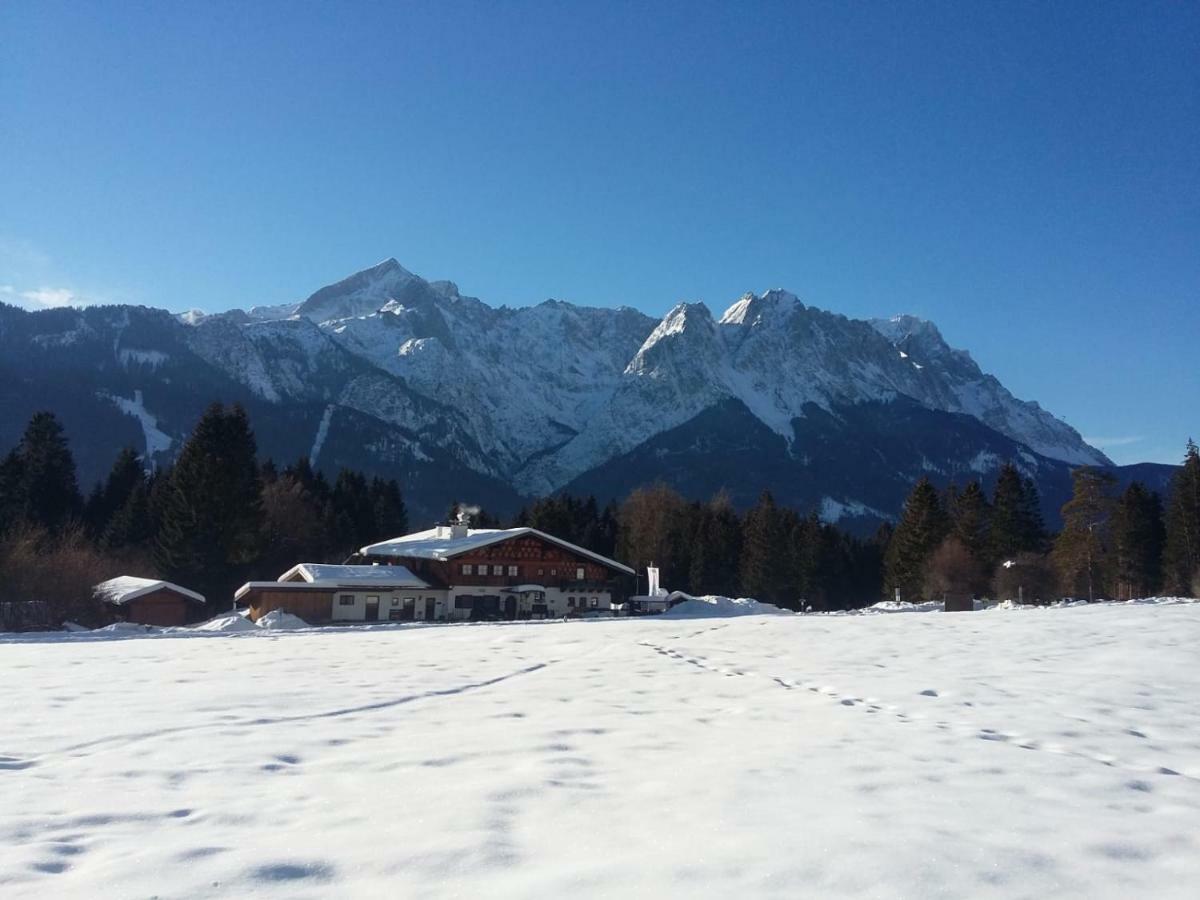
column 125, row 588
column 438, row 543
column 321, row 573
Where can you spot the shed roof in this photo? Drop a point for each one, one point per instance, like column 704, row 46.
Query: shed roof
column 334, row 575
column 125, row 588
column 436, row 543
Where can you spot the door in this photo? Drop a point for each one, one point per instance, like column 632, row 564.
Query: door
column 430, row 608
column 510, row 607
column 372, row 608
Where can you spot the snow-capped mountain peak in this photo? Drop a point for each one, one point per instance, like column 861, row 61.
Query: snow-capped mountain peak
column 750, row 308
column 360, row 294
column 538, row 397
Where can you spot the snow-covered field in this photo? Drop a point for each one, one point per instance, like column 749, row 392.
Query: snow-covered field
column 1004, row 753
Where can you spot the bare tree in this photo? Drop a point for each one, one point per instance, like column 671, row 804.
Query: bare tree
column 951, row 571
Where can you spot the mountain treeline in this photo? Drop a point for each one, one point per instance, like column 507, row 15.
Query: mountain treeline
column 218, row 517
column 1113, row 545
column 214, row 519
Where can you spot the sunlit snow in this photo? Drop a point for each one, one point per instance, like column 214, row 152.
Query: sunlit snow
column 1005, row 753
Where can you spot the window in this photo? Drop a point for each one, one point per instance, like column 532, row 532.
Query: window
column 464, row 602
column 373, row 598
column 595, row 602
column 395, row 601
column 541, row 571
column 554, row 571
column 466, row 569
column 497, row 570
column 570, row 601
column 346, row 600
column 514, row 571
column 580, row 574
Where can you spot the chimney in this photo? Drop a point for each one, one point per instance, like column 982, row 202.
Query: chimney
column 459, row 529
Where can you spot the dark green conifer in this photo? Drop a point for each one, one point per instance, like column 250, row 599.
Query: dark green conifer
column 922, row 526
column 48, row 492
column 1138, row 538
column 1082, row 550
column 209, row 510
column 1182, row 555
column 765, row 554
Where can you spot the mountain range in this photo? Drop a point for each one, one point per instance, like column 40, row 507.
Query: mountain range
column 398, row 376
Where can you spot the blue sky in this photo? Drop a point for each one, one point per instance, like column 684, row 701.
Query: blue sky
column 1026, row 175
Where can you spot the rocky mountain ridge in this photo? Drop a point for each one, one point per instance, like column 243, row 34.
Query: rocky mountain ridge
column 389, row 372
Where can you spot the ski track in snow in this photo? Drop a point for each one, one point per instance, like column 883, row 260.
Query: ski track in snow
column 157, row 441
column 1006, row 753
column 322, row 431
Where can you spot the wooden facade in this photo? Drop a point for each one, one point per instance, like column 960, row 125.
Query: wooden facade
column 314, row 607
column 163, row 607
column 525, row 559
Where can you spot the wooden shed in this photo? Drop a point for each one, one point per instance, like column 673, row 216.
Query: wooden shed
column 147, row 601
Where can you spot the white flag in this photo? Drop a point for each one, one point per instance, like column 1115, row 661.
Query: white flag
column 651, row 581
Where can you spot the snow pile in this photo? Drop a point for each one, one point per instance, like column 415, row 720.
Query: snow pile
column 1163, row 601
column 126, row 628
column 713, row 607
column 891, row 606
column 281, row 619
column 233, row 622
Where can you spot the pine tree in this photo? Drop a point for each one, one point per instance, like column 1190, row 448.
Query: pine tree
column 766, row 554
column 1181, row 561
column 923, row 525
column 131, row 525
column 48, row 493
column 390, row 513
column 11, row 503
column 126, row 474
column 1016, row 520
column 813, row 558
column 354, row 513
column 1033, row 526
column 209, row 509
column 1138, row 538
column 970, row 517
column 1082, row 551
column 716, row 548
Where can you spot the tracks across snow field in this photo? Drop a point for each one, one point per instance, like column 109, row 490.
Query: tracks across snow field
column 997, row 754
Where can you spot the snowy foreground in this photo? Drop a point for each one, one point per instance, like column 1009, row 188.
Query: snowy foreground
column 1003, row 753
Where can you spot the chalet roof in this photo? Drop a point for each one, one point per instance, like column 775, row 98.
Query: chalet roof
column 349, row 576
column 325, row 577
column 125, row 588
column 437, row 543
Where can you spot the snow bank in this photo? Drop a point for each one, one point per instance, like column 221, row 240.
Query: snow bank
column 280, row 619
column 712, row 607
column 1162, row 601
column 230, row 623
column 891, row 606
column 126, row 628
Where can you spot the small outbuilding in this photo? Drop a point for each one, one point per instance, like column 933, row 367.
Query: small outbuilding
column 147, row 601
column 321, row 594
